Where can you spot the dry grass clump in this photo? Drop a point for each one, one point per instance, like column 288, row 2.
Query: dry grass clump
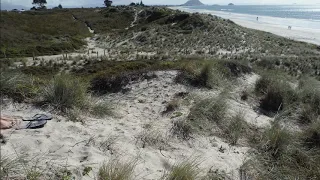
column 185, row 170
column 311, row 135
column 286, row 155
column 65, row 92
column 101, row 110
column 116, row 170
column 18, row 86
column 309, row 96
column 152, row 138
column 276, row 94
column 236, row 128
column 207, row 113
column 213, row 73
column 106, row 83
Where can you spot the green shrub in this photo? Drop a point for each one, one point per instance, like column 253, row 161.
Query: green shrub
column 116, row 170
column 65, row 92
column 186, row 170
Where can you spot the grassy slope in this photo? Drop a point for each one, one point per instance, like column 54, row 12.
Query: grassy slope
column 175, row 33
column 48, row 32
column 105, row 20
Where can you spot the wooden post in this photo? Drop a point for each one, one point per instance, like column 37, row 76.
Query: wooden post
column 104, row 52
column 88, row 52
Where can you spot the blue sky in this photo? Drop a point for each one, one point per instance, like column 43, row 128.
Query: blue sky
column 79, row 3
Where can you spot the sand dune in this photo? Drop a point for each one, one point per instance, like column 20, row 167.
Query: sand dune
column 138, row 114
column 302, row 30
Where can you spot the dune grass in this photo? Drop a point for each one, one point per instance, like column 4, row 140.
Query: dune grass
column 28, row 34
column 18, row 86
column 275, row 94
column 116, row 170
column 207, row 113
column 286, row 155
column 185, row 170
column 65, row 92
column 236, row 128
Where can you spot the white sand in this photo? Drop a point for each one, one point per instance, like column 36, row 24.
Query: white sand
column 76, row 146
column 302, row 30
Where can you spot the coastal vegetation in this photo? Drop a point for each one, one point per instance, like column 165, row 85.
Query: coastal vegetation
column 226, row 70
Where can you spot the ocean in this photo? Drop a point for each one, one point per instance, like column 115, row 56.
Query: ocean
column 302, row 16
column 307, row 12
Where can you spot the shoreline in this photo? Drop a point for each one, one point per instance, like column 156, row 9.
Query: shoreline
column 266, row 23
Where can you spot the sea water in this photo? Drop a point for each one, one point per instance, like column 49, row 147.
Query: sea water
column 307, row 16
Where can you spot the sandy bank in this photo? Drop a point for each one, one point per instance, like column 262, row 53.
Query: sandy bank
column 302, row 30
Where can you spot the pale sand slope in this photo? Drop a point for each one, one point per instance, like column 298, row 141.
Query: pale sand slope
column 302, row 30
column 138, row 114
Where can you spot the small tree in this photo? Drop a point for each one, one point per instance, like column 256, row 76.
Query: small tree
column 40, row 3
column 60, row 6
column 141, row 3
column 107, row 3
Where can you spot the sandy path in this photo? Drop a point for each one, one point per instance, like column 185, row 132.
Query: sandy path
column 302, row 30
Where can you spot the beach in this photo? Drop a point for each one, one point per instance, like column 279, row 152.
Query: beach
column 302, row 30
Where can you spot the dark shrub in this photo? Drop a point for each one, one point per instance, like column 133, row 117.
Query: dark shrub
column 276, row 94
column 311, row 135
column 106, row 83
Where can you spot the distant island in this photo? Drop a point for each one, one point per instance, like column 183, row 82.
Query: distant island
column 193, row 3
column 230, row 4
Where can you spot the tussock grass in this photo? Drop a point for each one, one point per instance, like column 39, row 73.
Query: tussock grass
column 276, row 94
column 65, row 92
column 18, row 86
column 311, row 135
column 185, row 170
column 116, row 170
column 309, row 96
column 236, row 128
column 153, row 138
column 212, row 74
column 101, row 110
column 207, row 113
column 286, row 155
column 275, row 140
